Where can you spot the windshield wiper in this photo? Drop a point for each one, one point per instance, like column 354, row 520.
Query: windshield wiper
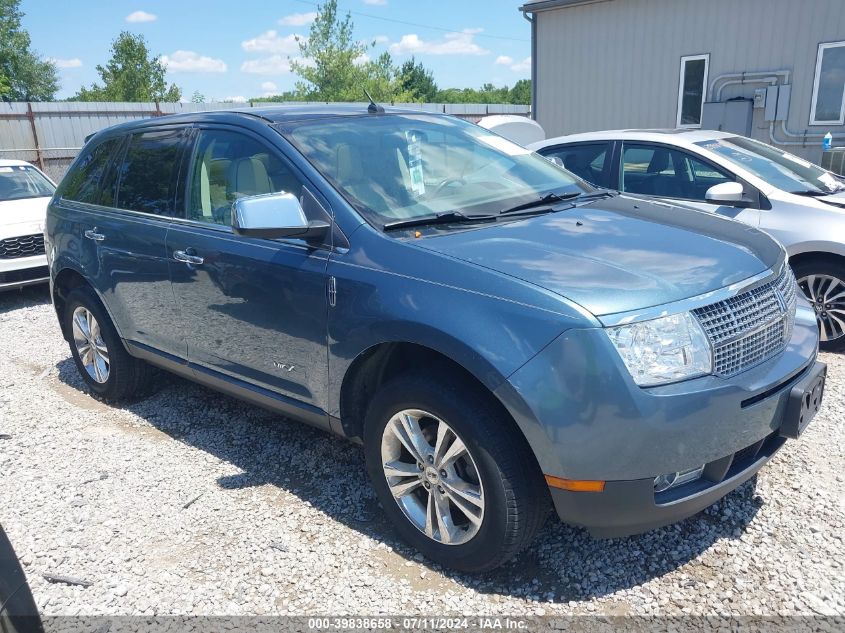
column 542, row 201
column 447, row 217
column 597, row 193
column 812, row 193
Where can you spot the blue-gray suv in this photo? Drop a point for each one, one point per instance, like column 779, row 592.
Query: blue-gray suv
column 498, row 334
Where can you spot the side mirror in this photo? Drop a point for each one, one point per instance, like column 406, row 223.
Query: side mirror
column 728, row 193
column 557, row 160
column 274, row 216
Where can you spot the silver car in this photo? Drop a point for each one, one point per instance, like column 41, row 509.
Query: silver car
column 799, row 203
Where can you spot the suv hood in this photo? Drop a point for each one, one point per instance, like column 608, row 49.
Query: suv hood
column 22, row 217
column 618, row 254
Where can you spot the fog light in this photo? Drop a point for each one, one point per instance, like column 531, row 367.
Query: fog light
column 673, row 480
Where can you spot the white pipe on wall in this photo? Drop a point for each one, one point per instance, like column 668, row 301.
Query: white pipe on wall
column 750, row 76
column 813, row 138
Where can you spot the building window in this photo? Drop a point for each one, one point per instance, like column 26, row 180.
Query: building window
column 829, row 85
column 692, row 88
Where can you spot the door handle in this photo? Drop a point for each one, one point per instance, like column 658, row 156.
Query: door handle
column 187, row 258
column 92, row 234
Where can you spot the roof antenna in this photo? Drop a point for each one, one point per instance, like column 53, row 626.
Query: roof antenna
column 373, row 108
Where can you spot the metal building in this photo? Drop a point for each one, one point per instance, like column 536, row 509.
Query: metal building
column 770, row 69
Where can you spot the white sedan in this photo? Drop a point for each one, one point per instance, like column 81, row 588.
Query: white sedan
column 24, row 194
column 799, row 203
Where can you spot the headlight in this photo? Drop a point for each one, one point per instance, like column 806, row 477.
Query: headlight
column 663, row 350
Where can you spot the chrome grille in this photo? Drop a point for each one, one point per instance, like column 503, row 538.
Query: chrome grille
column 24, row 246
column 751, row 327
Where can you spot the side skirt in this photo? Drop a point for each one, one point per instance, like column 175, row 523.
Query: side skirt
column 240, row 389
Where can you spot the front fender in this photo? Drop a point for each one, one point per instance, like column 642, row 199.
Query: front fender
column 816, row 246
column 488, row 336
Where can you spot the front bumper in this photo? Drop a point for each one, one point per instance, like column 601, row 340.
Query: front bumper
column 588, row 420
column 631, row 507
column 23, row 271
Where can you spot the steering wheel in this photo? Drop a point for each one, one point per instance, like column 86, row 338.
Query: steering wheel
column 446, row 182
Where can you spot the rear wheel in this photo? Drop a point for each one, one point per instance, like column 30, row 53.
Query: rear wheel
column 823, row 283
column 101, row 359
column 452, row 473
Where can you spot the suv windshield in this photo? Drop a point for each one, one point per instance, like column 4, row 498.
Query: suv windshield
column 400, row 167
column 23, row 181
column 782, row 170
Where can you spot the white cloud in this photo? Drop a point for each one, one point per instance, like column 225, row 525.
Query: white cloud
column 298, row 19
column 235, row 99
column 362, row 59
column 269, row 86
column 517, row 67
column 273, row 65
column 522, row 66
column 191, row 62
column 272, row 42
column 73, row 62
column 452, row 44
column 381, row 39
column 141, row 16
column 377, row 2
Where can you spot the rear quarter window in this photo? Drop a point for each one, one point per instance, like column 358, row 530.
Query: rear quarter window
column 82, row 184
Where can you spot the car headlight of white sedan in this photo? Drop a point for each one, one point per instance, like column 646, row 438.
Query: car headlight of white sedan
column 663, row 350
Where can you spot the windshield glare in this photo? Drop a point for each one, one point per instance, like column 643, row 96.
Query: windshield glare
column 400, row 167
column 22, row 181
column 782, row 170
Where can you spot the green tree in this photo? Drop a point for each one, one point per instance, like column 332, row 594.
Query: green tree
column 336, row 67
column 288, row 95
column 328, row 69
column 521, row 92
column 132, row 74
column 197, row 97
column 24, row 76
column 414, row 79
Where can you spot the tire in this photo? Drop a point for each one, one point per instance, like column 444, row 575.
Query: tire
column 118, row 377
column 818, row 278
column 510, row 487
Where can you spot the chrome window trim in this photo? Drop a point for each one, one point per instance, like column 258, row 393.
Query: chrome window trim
column 699, row 301
column 225, row 230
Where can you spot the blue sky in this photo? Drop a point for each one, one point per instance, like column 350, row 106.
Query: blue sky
column 239, row 49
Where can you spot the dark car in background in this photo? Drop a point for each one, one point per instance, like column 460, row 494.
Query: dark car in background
column 497, row 333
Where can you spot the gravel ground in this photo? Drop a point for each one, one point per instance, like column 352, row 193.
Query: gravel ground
column 190, row 502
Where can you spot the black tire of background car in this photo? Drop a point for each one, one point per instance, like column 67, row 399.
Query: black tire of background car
column 18, row 611
column 516, row 497
column 129, row 377
column 823, row 266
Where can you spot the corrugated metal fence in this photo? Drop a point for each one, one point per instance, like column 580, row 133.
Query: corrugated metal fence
column 49, row 134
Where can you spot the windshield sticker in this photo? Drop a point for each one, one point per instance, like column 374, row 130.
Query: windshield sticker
column 415, row 166
column 830, row 182
column 503, row 145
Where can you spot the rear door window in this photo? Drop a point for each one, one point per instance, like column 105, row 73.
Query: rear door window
column 588, row 161
column 148, row 174
column 83, row 183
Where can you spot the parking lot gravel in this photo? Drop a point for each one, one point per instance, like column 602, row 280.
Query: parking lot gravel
column 190, row 502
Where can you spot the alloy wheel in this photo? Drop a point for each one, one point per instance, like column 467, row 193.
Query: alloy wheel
column 827, row 296
column 432, row 476
column 90, row 346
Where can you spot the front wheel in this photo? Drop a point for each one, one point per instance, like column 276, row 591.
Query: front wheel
column 823, row 283
column 452, row 472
